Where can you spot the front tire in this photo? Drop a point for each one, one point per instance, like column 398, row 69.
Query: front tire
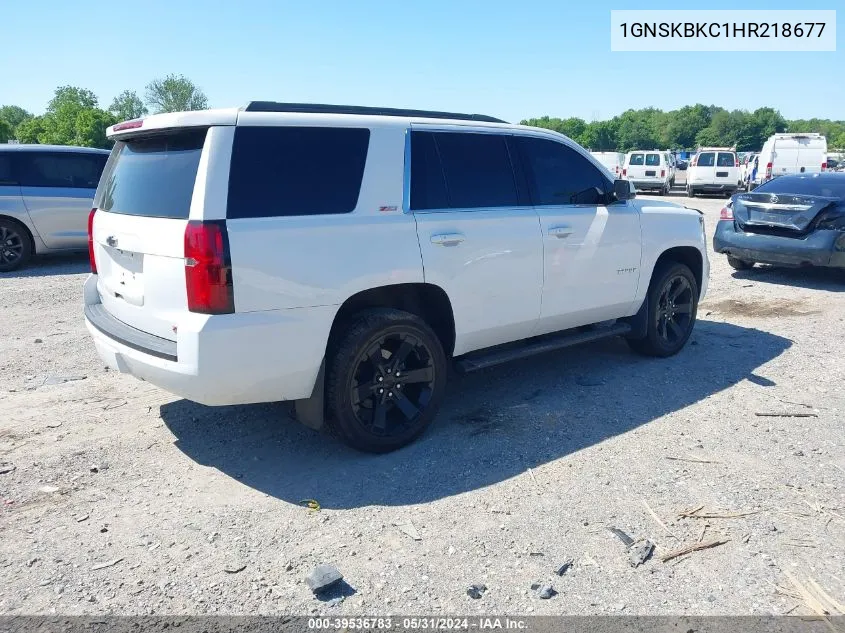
column 739, row 264
column 386, row 377
column 15, row 245
column 672, row 308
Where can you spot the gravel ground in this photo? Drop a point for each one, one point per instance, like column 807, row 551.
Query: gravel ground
column 120, row 498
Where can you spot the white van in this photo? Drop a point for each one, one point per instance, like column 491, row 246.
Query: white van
column 649, row 170
column 795, row 153
column 614, row 161
column 713, row 170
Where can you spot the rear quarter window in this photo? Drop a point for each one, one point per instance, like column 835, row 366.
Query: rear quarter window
column 636, row 159
column 289, row 171
column 152, row 176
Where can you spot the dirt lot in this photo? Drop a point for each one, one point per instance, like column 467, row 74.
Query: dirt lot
column 120, row 498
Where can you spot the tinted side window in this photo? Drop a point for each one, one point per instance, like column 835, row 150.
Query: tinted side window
column 428, row 186
column 65, row 169
column 283, row 171
column 6, row 176
column 636, row 159
column 652, row 160
column 706, row 159
column 478, row 170
column 558, row 173
column 726, row 160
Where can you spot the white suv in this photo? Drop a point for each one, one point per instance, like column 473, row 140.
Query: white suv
column 339, row 257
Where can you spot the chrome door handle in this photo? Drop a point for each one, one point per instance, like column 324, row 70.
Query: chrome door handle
column 447, row 239
column 560, row 231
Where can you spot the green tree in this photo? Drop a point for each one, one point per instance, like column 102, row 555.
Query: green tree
column 636, row 130
column 174, row 93
column 600, row 136
column 72, row 118
column 30, row 130
column 683, row 125
column 14, row 115
column 127, row 105
column 6, row 131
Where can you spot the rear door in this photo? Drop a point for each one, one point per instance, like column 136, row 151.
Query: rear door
column 143, row 205
column 812, row 152
column 591, row 249
column 654, row 167
column 636, row 166
column 704, row 171
column 726, row 172
column 58, row 191
column 479, row 237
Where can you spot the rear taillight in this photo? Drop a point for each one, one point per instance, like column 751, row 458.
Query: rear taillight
column 208, row 268
column 129, row 125
column 726, row 213
column 662, row 173
column 736, row 162
column 625, row 172
column 824, row 166
column 768, row 171
column 91, row 257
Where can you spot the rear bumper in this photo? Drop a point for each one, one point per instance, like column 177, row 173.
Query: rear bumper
column 714, row 188
column 219, row 360
column 821, row 248
column 650, row 183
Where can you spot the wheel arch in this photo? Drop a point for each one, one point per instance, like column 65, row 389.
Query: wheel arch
column 27, row 231
column 428, row 301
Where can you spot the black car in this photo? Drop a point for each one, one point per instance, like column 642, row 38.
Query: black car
column 788, row 221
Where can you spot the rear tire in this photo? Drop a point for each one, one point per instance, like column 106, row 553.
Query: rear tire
column 672, row 308
column 385, row 380
column 690, row 192
column 15, row 245
column 739, row 264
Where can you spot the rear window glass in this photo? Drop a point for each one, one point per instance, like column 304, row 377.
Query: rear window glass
column 152, row 176
column 285, row 171
column 478, row 170
column 726, row 160
column 652, row 160
column 60, row 169
column 706, row 159
column 829, row 186
column 636, row 159
column 428, row 186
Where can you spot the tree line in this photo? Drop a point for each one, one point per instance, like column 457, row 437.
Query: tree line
column 74, row 116
column 687, row 128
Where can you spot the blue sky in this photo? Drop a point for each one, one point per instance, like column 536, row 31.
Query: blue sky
column 508, row 59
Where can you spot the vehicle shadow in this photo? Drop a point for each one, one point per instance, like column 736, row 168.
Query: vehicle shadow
column 830, row 279
column 48, row 265
column 494, row 425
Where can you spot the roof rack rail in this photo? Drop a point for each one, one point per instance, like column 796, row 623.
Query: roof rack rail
column 322, row 108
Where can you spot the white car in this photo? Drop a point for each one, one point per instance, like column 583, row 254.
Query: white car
column 791, row 153
column 613, row 161
column 649, row 170
column 340, row 256
column 713, row 170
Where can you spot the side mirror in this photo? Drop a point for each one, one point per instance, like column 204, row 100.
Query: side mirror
column 624, row 189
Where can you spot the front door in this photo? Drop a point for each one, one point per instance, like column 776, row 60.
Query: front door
column 591, row 245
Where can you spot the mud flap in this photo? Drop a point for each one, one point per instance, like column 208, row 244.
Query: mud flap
column 311, row 411
column 638, row 322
